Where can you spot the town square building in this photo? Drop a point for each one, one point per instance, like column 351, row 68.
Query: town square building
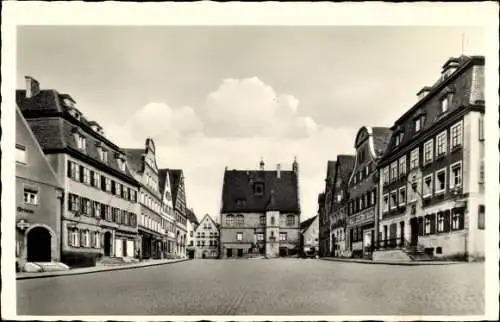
column 168, row 212
column 99, row 215
column 340, row 204
column 325, row 211
column 39, row 197
column 309, row 232
column 176, row 177
column 260, row 212
column 432, row 176
column 207, row 238
column 192, row 225
column 370, row 145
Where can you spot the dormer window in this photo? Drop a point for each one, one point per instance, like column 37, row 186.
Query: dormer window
column 258, row 189
column 81, row 142
column 103, row 155
column 240, row 203
column 446, row 102
column 399, row 138
column 418, row 123
column 121, row 164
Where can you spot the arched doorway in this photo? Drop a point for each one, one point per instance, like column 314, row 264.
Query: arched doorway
column 39, row 245
column 107, row 243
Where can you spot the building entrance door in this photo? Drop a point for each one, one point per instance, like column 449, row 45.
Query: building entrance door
column 107, row 244
column 413, row 231
column 229, row 252
column 39, row 241
column 240, row 252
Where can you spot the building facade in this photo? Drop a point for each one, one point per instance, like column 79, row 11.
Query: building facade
column 151, row 224
column 192, row 225
column 309, row 232
column 180, row 211
column 370, row 145
column 260, row 212
column 39, row 197
column 340, row 204
column 99, row 216
column 168, row 212
column 325, row 211
column 207, row 238
column 432, row 177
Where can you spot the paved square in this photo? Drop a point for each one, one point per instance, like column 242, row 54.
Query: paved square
column 260, row 287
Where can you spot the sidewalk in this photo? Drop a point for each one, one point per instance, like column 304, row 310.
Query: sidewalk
column 96, row 269
column 402, row 263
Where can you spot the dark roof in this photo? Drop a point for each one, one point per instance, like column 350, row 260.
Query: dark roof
column 135, row 159
column 46, row 100
column 175, row 179
column 306, row 223
column 279, row 193
column 345, row 165
column 191, row 216
column 330, row 170
column 162, row 177
column 381, row 137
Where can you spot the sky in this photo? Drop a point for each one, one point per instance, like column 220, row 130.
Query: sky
column 216, row 97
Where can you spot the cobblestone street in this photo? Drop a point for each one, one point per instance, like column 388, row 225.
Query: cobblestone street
column 260, row 287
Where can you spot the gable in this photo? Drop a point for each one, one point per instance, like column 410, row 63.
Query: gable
column 362, row 136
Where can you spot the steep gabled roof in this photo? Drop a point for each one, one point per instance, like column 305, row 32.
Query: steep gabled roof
column 306, row 223
column 135, row 159
column 330, row 169
column 381, row 138
column 162, row 178
column 280, row 194
column 175, row 176
column 345, row 165
column 191, row 216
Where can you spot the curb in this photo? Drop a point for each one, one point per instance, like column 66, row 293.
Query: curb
column 106, row 269
column 410, row 263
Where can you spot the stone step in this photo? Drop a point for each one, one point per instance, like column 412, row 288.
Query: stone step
column 35, row 267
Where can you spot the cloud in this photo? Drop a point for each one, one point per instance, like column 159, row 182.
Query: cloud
column 240, row 122
column 249, row 108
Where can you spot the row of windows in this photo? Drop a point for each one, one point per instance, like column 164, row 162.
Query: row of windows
column 212, row 243
column 435, row 183
column 399, row 168
column 84, row 238
column 156, row 225
column 363, row 173
column 81, row 143
column 239, row 220
column 366, row 200
column 202, row 234
column 96, row 209
column 84, row 175
column 283, row 236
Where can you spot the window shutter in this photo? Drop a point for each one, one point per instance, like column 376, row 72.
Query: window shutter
column 433, row 223
column 81, row 173
column 103, row 183
column 70, row 199
column 70, row 240
column 461, row 219
column 92, row 174
column 447, row 218
column 420, row 226
column 82, row 238
column 69, row 169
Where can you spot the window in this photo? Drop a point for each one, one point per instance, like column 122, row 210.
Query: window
column 30, row 196
column 108, row 184
column 414, row 158
column 96, row 179
column 385, row 175
column 74, row 203
column 481, row 172
column 394, row 171
column 283, row 236
column 81, row 142
column 290, row 220
column 73, row 238
column 441, row 143
column 456, row 134
column 440, row 181
column 260, row 236
column 445, row 102
column 457, row 219
column 240, row 220
column 202, row 243
column 239, row 236
column 229, row 220
column 73, row 171
column 427, row 187
column 198, row 243
column 20, row 154
column 399, row 138
column 480, row 218
column 440, row 222
column 417, row 123
column 96, row 240
column 402, row 196
column 428, row 151
column 402, row 166
column 86, row 176
column 427, row 225
column 258, row 189
column 85, row 206
column 103, row 155
column 97, row 209
column 394, row 199
column 373, row 197
column 121, row 164
column 272, row 220
column 456, row 175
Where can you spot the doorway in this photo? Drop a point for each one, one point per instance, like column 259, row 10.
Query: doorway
column 229, row 252
column 413, row 231
column 240, row 252
column 39, row 245
column 107, row 243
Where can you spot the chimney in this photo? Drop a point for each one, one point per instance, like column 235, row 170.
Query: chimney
column 423, row 92
column 32, row 87
column 278, row 171
column 261, row 165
